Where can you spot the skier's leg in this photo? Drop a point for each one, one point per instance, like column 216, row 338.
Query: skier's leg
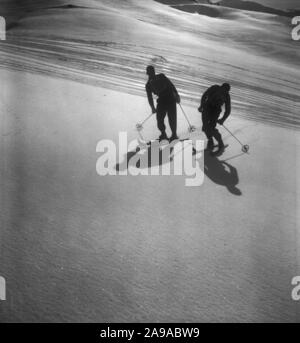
column 218, row 137
column 172, row 117
column 161, row 112
column 209, row 134
column 215, row 132
column 206, row 128
column 213, row 126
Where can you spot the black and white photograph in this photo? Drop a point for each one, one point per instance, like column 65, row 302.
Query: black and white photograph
column 149, row 163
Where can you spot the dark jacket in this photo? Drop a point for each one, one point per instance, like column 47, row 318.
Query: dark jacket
column 163, row 88
column 213, row 100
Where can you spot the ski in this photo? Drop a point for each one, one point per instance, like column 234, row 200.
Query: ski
column 165, row 141
column 218, row 152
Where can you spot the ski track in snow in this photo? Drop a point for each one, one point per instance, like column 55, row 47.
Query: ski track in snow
column 122, row 67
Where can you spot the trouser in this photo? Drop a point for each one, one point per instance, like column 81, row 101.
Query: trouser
column 162, row 110
column 210, row 116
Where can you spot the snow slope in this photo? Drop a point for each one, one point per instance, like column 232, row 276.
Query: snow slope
column 79, row 247
column 93, row 50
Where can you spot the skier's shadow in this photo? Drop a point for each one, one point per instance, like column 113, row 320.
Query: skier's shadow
column 164, row 156
column 222, row 173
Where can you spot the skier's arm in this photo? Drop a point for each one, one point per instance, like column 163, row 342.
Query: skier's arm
column 176, row 94
column 203, row 100
column 174, row 90
column 150, row 98
column 227, row 109
column 204, row 97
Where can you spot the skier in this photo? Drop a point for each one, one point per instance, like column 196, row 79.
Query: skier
column 168, row 96
column 211, row 107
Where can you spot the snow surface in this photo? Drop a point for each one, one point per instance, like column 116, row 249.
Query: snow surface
column 79, row 247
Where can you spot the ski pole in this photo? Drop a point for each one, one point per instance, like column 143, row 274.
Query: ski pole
column 139, row 126
column 192, row 128
column 245, row 148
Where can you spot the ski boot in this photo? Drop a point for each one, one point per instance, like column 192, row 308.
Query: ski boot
column 210, row 144
column 173, row 138
column 163, row 137
column 220, row 150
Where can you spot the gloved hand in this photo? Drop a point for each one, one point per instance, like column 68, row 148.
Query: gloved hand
column 200, row 109
column 178, row 99
column 221, row 121
column 153, row 110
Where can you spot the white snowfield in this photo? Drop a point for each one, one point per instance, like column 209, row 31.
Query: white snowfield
column 76, row 246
